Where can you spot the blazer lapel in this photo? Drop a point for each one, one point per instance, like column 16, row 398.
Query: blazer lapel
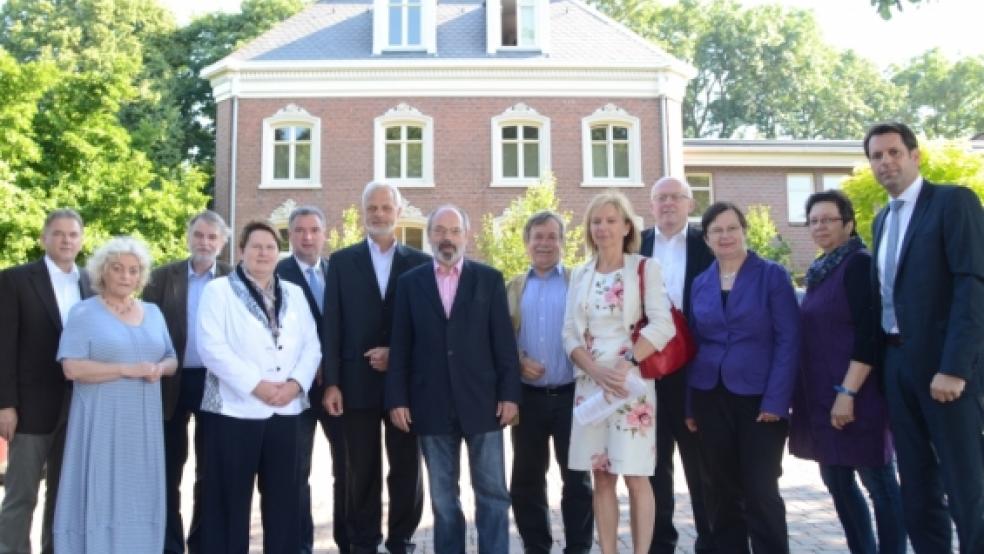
column 179, row 276
column 918, row 213
column 42, row 286
column 429, row 285
column 399, row 265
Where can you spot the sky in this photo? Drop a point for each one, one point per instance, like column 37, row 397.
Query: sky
column 952, row 25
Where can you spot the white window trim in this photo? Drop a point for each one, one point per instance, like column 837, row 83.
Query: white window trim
column 612, row 114
column 695, row 217
column 789, row 202
column 404, row 114
column 493, row 28
column 519, row 115
column 290, row 114
column 380, row 29
column 840, row 177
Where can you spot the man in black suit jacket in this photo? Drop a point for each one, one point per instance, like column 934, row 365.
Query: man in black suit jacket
column 454, row 376
column 308, row 270
column 361, row 287
column 176, row 289
column 929, row 248
column 683, row 255
column 34, row 394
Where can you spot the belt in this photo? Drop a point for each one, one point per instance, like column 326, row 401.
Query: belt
column 550, row 391
column 893, row 339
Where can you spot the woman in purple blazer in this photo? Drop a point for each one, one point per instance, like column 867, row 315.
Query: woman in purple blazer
column 839, row 414
column 746, row 324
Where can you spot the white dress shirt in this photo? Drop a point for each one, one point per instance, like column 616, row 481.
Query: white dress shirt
column 909, row 197
column 671, row 251
column 382, row 264
column 320, row 275
column 65, row 285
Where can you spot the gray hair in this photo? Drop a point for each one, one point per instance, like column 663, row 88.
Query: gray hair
column 373, row 186
column 63, row 213
column 671, row 179
column 447, row 207
column 110, row 251
column 540, row 218
column 212, row 218
column 306, row 210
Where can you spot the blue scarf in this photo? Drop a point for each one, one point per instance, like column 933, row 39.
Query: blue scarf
column 826, row 263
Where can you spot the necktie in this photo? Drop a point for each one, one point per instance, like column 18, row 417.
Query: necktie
column 891, row 259
column 317, row 290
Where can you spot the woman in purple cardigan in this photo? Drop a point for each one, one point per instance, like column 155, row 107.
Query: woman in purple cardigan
column 839, row 414
column 746, row 324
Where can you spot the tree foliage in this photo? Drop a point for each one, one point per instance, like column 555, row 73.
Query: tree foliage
column 885, row 7
column 763, row 237
column 350, row 231
column 944, row 97
column 941, row 161
column 500, row 240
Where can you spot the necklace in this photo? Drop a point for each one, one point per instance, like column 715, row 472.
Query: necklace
column 126, row 308
column 729, row 276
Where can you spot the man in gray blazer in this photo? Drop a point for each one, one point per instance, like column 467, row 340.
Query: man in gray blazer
column 34, row 395
column 176, row 289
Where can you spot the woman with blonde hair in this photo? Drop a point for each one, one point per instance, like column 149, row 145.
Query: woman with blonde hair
column 604, row 305
column 114, row 349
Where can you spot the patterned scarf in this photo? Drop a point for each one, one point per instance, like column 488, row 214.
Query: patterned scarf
column 826, row 263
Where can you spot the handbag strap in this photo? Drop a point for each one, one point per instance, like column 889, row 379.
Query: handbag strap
column 641, row 270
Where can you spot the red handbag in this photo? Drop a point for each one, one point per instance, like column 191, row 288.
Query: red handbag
column 677, row 353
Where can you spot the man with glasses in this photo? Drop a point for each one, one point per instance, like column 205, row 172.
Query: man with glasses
column 682, row 254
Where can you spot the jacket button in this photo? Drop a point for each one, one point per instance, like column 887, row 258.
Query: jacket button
column 278, row 368
column 450, row 352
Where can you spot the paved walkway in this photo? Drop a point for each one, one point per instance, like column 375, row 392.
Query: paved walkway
column 813, row 525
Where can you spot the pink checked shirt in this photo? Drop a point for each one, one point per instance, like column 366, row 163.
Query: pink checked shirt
column 447, row 283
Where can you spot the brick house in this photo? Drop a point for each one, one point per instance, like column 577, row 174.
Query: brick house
column 467, row 101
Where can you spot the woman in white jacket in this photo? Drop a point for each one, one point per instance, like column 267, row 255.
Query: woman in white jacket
column 260, row 345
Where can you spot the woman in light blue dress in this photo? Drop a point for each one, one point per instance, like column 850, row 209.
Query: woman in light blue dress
column 114, row 349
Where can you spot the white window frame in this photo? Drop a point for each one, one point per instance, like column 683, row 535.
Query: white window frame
column 519, row 115
column 541, row 31
column 404, row 114
column 796, row 198
column 290, row 116
column 381, row 27
column 611, row 114
column 834, row 181
column 696, row 216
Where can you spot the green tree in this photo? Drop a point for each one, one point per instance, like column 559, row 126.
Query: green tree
column 349, row 233
column 941, row 161
column 763, row 237
column 500, row 240
column 885, row 7
column 944, row 97
column 762, row 71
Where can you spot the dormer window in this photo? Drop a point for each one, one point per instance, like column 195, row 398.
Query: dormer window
column 403, row 25
column 517, row 25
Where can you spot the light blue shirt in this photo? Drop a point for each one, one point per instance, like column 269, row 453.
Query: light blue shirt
column 541, row 325
column 196, row 284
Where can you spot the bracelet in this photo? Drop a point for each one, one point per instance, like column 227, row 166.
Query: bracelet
column 841, row 389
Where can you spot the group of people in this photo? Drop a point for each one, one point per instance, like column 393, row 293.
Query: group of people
column 391, row 349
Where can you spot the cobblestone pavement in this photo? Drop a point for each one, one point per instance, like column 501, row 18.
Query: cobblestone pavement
column 813, row 525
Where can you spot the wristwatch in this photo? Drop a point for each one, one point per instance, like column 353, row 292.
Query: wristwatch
column 630, row 357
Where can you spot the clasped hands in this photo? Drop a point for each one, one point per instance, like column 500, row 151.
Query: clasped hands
column 148, row 371
column 277, row 394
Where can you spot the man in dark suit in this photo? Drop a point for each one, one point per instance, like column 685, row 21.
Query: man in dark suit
column 176, row 289
column 361, row 287
column 308, row 270
column 683, row 254
column 454, row 376
column 929, row 248
column 34, row 395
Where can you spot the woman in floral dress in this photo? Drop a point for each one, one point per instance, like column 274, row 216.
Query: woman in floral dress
column 603, row 307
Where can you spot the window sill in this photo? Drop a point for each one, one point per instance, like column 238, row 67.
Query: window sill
column 514, row 183
column 411, row 184
column 288, row 185
column 612, row 183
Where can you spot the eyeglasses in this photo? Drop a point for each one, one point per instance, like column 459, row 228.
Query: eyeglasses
column 444, row 231
column 816, row 221
column 672, row 197
column 720, row 231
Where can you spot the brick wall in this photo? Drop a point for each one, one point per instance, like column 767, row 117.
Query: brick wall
column 462, row 155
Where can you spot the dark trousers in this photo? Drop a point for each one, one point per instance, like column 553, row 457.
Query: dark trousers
column 240, row 451
column 743, row 460
column 545, row 414
column 940, row 450
column 852, row 510
column 671, row 430
column 332, row 428
column 175, row 456
column 404, row 483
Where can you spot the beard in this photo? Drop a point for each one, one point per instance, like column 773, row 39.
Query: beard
column 448, row 252
column 380, row 230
